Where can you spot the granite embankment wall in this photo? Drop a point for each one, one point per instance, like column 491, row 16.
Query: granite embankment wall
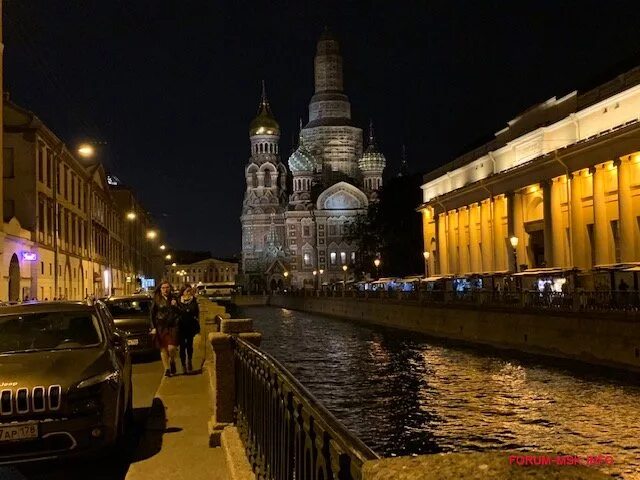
column 602, row 339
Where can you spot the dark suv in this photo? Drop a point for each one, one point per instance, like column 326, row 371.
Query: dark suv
column 65, row 381
column 132, row 316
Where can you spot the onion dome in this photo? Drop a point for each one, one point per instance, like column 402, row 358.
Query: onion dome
column 372, row 160
column 264, row 123
column 301, row 160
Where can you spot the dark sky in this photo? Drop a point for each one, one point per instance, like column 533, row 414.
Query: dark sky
column 171, row 86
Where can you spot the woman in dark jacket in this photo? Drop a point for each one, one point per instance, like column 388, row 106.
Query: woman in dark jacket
column 164, row 318
column 188, row 326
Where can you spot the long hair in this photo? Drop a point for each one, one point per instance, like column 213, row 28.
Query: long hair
column 157, row 293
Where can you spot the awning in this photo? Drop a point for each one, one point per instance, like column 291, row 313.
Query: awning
column 411, row 279
column 542, row 271
column 616, row 266
column 434, row 278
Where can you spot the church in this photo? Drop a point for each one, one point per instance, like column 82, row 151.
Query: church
column 299, row 238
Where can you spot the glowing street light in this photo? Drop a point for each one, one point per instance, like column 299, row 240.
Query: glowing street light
column 151, row 234
column 86, row 150
column 167, row 256
column 131, row 215
column 377, row 262
column 286, row 274
column 162, row 247
column 514, row 243
column 174, row 264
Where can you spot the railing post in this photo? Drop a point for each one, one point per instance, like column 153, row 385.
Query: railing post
column 221, row 370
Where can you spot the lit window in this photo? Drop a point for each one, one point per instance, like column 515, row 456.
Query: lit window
column 307, row 259
column 353, row 257
column 333, row 258
column 343, row 258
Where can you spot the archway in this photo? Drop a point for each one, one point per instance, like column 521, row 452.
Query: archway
column 14, row 278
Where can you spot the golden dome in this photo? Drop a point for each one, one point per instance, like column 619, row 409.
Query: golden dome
column 264, row 123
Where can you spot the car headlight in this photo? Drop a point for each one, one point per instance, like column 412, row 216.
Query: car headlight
column 113, row 378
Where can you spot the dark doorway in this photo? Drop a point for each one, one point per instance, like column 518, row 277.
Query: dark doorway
column 14, row 279
column 536, row 245
column 274, row 285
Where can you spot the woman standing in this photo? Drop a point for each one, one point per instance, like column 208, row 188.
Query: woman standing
column 188, row 326
column 164, row 318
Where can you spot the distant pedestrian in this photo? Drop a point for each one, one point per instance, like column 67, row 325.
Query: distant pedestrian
column 164, row 318
column 188, row 326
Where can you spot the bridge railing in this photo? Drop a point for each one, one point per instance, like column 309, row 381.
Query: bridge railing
column 287, row 433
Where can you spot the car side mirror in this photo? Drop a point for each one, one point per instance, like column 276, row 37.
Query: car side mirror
column 118, row 339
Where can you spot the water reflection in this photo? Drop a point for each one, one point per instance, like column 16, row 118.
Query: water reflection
column 402, row 394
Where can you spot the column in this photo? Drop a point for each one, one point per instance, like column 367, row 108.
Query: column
column 443, row 237
column 463, row 239
column 499, row 238
column 518, row 228
column 579, row 252
column 486, row 236
column 436, row 257
column 558, row 223
column 454, row 260
column 510, row 198
column 625, row 210
column 548, row 223
column 474, row 238
column 600, row 224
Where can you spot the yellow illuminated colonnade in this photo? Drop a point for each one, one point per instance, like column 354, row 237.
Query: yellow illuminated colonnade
column 582, row 219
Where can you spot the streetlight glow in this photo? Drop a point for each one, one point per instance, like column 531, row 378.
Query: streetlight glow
column 514, row 241
column 151, row 234
column 162, row 247
column 321, row 271
column 168, row 257
column 376, row 262
column 344, row 268
column 131, row 215
column 425, row 255
column 174, row 264
column 86, row 151
column 286, row 274
column 314, row 273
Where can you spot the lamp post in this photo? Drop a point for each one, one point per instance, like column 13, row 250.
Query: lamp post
column 514, row 243
column 320, row 272
column 315, row 285
column 377, row 262
column 426, row 255
column 344, row 285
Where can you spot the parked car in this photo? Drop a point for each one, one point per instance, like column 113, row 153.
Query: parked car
column 65, row 381
column 132, row 317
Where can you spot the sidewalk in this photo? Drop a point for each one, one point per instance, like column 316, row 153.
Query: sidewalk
column 177, row 431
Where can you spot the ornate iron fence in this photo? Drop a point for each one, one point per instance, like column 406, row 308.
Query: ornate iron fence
column 287, row 433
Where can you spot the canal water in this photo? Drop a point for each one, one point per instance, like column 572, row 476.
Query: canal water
column 403, row 393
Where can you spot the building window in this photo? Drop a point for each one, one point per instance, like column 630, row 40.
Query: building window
column 353, row 257
column 7, row 161
column 333, row 258
column 49, row 169
column 307, row 259
column 40, row 164
column 42, row 268
column 306, row 231
column 343, row 258
column 332, row 229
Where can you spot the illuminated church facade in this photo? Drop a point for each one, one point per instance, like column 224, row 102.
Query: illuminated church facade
column 288, row 234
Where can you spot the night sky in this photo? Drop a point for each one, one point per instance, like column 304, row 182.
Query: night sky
column 171, row 86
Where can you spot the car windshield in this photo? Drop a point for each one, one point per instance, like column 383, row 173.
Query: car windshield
column 129, row 307
column 48, row 331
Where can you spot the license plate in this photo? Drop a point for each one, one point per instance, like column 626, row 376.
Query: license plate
column 17, row 432
column 132, row 341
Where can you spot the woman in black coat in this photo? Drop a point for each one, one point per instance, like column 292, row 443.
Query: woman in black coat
column 188, row 326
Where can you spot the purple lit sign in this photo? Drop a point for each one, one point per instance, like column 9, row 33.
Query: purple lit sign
column 29, row 256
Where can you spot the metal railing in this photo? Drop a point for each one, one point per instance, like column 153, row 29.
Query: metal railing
column 287, row 433
column 583, row 301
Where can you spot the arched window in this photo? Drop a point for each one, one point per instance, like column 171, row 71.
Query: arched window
column 267, row 178
column 254, row 180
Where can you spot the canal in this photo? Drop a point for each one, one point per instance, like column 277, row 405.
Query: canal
column 403, row 393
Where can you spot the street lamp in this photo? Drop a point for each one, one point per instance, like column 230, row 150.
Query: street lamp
column 167, row 256
column 426, row 255
column 174, row 264
column 86, row 150
column 377, row 262
column 514, row 243
column 162, row 247
column 344, row 269
column 131, row 215
column 151, row 234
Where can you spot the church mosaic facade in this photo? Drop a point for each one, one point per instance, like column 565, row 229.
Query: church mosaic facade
column 289, row 235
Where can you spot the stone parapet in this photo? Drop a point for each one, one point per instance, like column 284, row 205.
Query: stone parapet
column 475, row 466
column 236, row 325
